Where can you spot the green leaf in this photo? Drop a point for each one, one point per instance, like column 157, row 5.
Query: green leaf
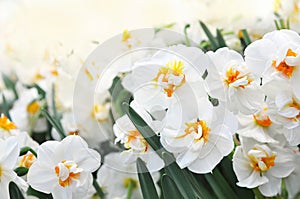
column 40, row 195
column 25, row 149
column 220, row 39
column 187, row 40
column 21, row 171
column 182, row 182
column 146, row 181
column 227, row 170
column 210, row 37
column 169, row 188
column 220, row 186
column 55, row 123
column 167, row 26
column 246, row 37
column 55, row 115
column 5, row 107
column 146, row 131
column 10, row 84
column 14, row 191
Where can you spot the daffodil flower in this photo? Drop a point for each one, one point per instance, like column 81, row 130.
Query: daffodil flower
column 114, row 178
column 9, row 152
column 64, row 168
column 262, row 166
column 232, row 82
column 276, row 55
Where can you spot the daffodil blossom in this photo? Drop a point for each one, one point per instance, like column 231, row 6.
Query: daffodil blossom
column 199, row 138
column 231, row 81
column 114, row 178
column 25, row 109
column 262, row 166
column 259, row 125
column 9, row 152
column 286, row 109
column 64, row 168
column 276, row 55
column 169, row 70
column 127, row 134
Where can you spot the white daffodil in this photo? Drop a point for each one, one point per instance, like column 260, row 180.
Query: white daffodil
column 63, row 172
column 127, row 134
column 286, row 110
column 9, row 152
column 92, row 118
column 168, row 70
column 259, row 125
column 262, row 166
column 231, row 81
column 25, row 111
column 197, row 134
column 115, row 178
column 276, row 55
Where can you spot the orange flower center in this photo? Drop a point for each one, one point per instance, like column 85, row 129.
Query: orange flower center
column 67, row 172
column 233, row 75
column 283, row 67
column 33, row 107
column 6, row 124
column 171, row 76
column 27, row 160
column 262, row 162
column 199, row 127
column 135, row 135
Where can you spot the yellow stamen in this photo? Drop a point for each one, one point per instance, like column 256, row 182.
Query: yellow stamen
column 133, row 135
column 6, row 124
column 233, row 75
column 262, row 164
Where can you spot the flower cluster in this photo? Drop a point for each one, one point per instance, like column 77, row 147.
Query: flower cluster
column 165, row 115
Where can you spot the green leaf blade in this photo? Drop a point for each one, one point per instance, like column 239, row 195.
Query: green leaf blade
column 146, row 181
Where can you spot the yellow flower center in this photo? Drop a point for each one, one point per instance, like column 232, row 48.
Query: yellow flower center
column 171, row 76
column 283, row 67
column 33, row 107
column 27, row 160
column 199, row 127
column 67, row 172
column 0, row 172
column 261, row 160
column 6, row 124
column 132, row 181
column 233, row 75
column 100, row 112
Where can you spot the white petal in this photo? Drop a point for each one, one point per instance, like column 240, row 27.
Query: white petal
column 271, row 188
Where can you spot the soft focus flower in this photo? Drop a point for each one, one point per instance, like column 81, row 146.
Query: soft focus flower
column 25, row 111
column 63, row 172
column 262, row 166
column 114, row 177
column 9, row 152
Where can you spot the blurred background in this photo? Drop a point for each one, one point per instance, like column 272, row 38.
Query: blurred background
column 74, row 23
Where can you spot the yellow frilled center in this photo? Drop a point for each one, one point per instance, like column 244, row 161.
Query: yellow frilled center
column 33, row 107
column 261, row 164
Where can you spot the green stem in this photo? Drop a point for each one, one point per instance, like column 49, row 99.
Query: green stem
column 258, row 194
column 98, row 189
column 130, row 188
column 246, row 37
